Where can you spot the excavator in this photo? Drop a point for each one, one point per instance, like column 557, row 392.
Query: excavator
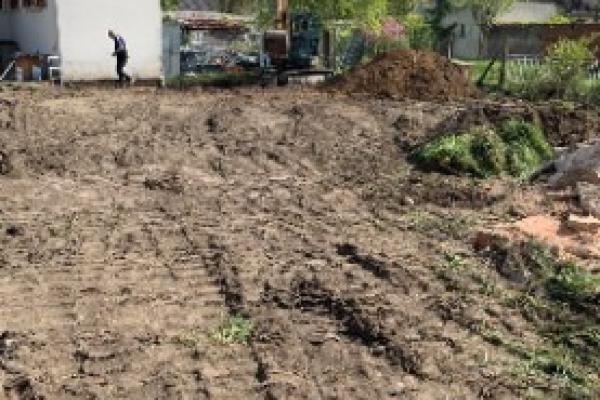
column 291, row 50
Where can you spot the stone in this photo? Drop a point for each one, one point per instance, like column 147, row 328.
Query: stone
column 581, row 165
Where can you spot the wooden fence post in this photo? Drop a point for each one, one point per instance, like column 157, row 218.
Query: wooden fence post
column 503, row 74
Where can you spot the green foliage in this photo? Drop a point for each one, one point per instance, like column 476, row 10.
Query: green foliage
column 490, row 152
column 484, row 11
column 454, row 261
column 569, row 58
column 451, row 154
column 559, row 19
column 365, row 13
column 561, row 74
column 420, row 33
column 235, row 330
column 527, row 147
column 517, row 148
column 561, row 300
column 169, row 5
column 401, row 8
column 571, row 284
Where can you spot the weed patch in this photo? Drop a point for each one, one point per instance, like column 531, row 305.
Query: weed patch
column 234, row 330
column 562, row 300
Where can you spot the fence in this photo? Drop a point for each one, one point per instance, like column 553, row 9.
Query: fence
column 520, row 67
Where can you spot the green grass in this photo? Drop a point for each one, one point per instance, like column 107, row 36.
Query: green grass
column 234, row 330
column 478, row 67
column 562, row 302
column 454, row 261
column 516, row 148
column 571, row 284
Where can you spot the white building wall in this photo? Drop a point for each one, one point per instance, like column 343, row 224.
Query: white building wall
column 466, row 40
column 86, row 50
column 35, row 30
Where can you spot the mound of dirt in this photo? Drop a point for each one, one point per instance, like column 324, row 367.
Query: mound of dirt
column 408, row 74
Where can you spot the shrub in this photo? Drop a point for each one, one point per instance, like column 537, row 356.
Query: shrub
column 559, row 74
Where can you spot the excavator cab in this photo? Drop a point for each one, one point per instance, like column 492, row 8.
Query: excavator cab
column 305, row 36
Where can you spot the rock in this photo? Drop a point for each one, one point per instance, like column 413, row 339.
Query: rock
column 583, row 224
column 589, row 198
column 582, row 165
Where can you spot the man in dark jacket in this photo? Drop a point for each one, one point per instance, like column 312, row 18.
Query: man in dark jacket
column 122, row 56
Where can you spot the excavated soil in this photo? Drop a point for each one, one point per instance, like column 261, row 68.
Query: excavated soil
column 132, row 223
column 411, row 74
column 564, row 125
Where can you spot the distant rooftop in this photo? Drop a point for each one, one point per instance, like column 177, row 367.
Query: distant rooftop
column 528, row 12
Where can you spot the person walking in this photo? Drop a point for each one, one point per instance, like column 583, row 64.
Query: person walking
column 122, row 57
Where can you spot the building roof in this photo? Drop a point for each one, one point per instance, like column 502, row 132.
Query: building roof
column 199, row 5
column 528, row 12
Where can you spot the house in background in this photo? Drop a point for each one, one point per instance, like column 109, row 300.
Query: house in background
column 76, row 32
column 467, row 39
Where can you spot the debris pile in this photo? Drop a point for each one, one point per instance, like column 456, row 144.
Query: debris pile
column 516, row 148
column 410, row 74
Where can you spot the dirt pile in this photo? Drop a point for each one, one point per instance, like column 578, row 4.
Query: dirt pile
column 408, row 74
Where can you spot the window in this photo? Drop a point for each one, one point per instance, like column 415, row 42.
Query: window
column 27, row 3
column 14, row 4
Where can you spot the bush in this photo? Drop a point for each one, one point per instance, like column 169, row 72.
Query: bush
column 517, row 148
column 559, row 75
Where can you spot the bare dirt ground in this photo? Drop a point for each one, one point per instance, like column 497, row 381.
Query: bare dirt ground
column 134, row 223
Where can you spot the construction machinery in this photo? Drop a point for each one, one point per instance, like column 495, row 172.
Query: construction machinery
column 292, row 50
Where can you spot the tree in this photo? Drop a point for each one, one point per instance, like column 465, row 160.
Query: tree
column 169, row 5
column 484, row 11
column 367, row 13
column 400, row 8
